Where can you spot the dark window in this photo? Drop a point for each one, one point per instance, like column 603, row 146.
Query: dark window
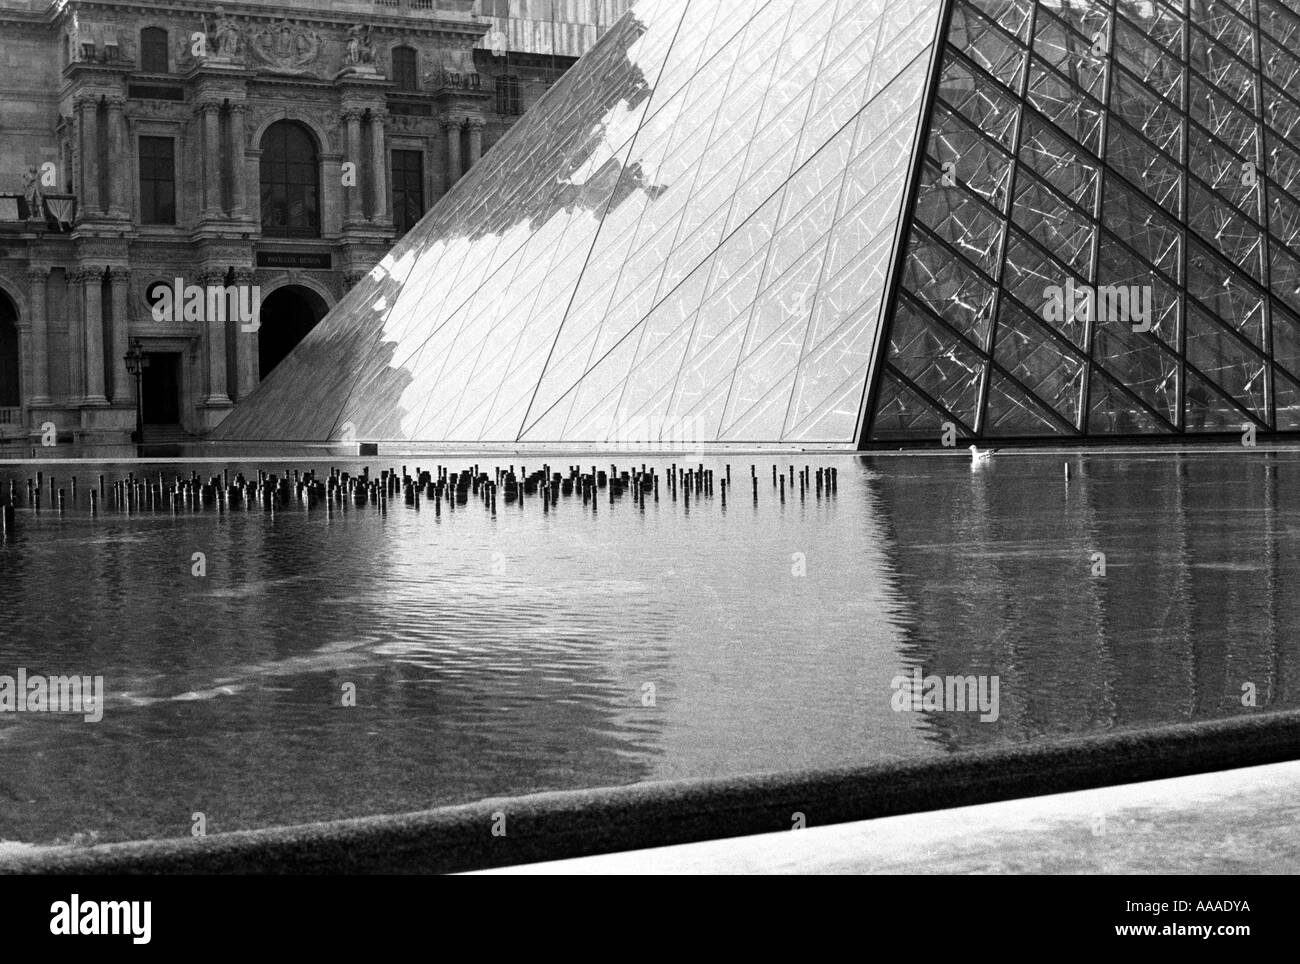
column 157, row 180
column 290, row 182
column 10, row 393
column 153, row 50
column 154, row 92
column 405, row 74
column 408, row 189
column 507, row 95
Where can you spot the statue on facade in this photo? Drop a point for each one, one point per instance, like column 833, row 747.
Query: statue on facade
column 360, row 52
column 226, row 34
column 33, row 196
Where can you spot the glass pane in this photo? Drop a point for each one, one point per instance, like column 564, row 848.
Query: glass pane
column 938, row 363
column 1226, row 361
column 1010, row 412
column 1111, row 411
column 1039, row 362
column 904, row 414
column 950, row 287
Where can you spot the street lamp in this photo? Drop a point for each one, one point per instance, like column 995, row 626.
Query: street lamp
column 136, row 362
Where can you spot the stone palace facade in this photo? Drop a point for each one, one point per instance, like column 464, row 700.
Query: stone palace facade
column 260, row 145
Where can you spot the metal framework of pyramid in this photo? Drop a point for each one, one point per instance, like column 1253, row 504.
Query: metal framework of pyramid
column 806, row 222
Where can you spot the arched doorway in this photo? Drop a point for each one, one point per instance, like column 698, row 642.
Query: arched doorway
column 11, row 392
column 288, row 313
column 290, row 182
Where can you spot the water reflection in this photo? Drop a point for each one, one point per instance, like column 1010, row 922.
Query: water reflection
column 1190, row 614
column 528, row 651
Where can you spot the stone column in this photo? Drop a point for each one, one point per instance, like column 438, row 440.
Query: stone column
column 39, row 390
column 352, row 195
column 123, row 387
column 238, row 162
column 253, row 200
column 74, row 293
column 209, row 113
column 117, row 159
column 476, row 125
column 88, row 127
column 214, row 347
column 247, row 373
column 379, row 166
column 452, row 127
column 92, row 280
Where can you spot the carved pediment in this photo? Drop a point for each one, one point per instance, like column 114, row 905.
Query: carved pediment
column 286, row 48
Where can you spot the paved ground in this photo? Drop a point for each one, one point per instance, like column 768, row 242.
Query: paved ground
column 1230, row 822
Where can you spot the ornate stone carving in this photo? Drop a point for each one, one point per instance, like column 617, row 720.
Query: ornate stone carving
column 455, row 69
column 359, row 52
column 140, row 286
column 32, row 194
column 412, row 123
column 225, row 37
column 285, row 48
column 226, row 253
column 101, row 250
column 97, row 42
column 76, row 38
column 324, row 120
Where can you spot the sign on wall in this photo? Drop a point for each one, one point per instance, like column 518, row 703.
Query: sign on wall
column 295, row 259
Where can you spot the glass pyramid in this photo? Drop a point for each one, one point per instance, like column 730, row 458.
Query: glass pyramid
column 805, row 222
column 685, row 240
column 1125, row 147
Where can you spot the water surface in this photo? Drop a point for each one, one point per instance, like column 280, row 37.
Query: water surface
column 526, row 651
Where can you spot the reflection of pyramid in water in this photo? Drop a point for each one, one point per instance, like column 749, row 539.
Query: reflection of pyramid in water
column 687, row 239
column 696, row 237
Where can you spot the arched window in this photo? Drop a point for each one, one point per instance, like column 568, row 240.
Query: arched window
column 290, row 182
column 10, row 391
column 153, row 50
column 405, row 74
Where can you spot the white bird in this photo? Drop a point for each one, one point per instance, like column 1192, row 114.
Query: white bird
column 977, row 457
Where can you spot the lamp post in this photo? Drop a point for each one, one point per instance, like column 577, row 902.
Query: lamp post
column 136, row 363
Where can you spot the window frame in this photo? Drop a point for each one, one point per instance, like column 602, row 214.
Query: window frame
column 166, row 50
column 294, row 189
column 148, row 199
column 405, row 192
column 509, row 99
column 413, row 77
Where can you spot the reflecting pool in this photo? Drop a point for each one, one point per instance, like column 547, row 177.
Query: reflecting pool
column 536, row 648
